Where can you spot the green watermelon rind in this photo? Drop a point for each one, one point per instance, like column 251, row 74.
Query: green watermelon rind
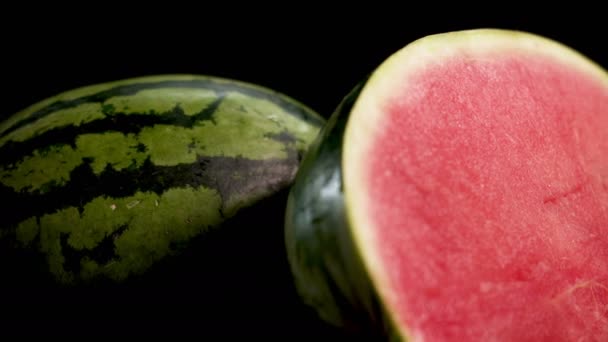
column 270, row 131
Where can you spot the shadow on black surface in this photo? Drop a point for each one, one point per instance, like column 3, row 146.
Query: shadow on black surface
column 233, row 281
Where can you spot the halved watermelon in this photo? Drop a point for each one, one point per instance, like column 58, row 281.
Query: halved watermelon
column 461, row 194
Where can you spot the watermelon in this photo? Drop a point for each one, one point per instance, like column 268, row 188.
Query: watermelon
column 460, row 193
column 100, row 183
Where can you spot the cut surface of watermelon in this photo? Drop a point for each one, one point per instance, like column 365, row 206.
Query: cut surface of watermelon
column 475, row 176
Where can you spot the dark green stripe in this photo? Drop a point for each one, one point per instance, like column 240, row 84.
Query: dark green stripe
column 102, row 253
column 208, row 84
column 13, row 152
column 228, row 175
column 320, row 248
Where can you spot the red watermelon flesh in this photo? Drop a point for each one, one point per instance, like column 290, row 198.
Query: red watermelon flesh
column 485, row 189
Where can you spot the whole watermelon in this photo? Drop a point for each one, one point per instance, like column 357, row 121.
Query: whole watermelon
column 101, row 183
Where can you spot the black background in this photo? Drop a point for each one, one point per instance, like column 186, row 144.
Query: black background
column 313, row 54
column 240, row 284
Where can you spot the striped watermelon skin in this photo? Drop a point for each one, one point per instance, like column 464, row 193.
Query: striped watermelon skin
column 102, row 182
